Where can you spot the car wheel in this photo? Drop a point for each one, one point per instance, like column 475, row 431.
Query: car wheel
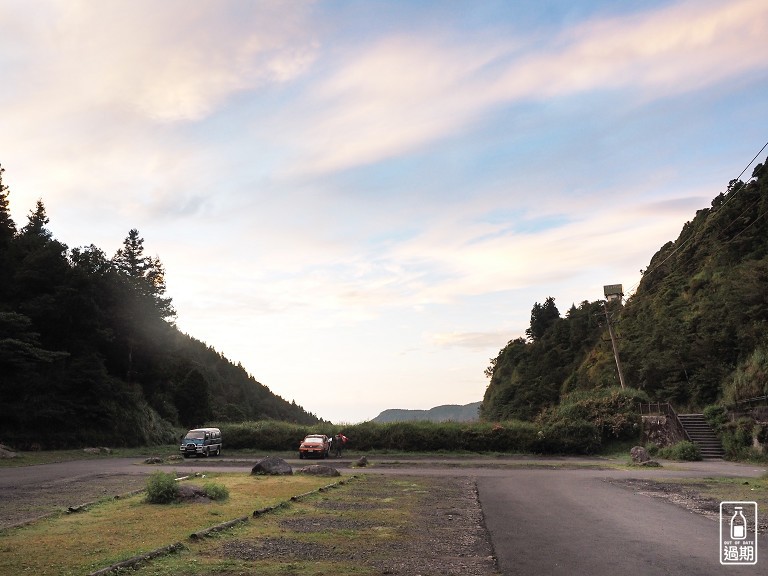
column 301, row 455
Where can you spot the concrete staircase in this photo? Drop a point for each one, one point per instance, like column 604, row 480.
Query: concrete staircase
column 701, row 434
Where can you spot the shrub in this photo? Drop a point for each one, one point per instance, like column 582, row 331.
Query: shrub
column 216, row 491
column 162, row 488
column 687, row 451
column 569, row 437
column 716, row 415
column 736, row 437
column 612, row 410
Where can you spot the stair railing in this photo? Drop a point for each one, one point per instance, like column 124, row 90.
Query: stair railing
column 665, row 409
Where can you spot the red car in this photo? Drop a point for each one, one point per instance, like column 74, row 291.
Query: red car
column 315, row 445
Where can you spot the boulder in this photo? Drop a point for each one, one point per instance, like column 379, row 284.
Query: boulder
column 99, row 450
column 153, row 460
column 362, row 462
column 319, row 470
column 639, row 455
column 6, row 452
column 192, row 493
column 272, row 466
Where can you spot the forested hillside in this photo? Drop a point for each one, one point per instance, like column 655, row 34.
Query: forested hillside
column 89, row 353
column 694, row 333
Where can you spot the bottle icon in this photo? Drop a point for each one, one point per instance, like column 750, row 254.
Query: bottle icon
column 738, row 525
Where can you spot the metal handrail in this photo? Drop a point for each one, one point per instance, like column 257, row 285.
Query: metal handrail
column 666, row 409
column 752, row 400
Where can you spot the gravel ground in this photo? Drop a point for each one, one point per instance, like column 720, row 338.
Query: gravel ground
column 445, row 534
column 683, row 495
column 22, row 504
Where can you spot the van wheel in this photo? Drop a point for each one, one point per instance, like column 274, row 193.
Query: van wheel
column 218, row 451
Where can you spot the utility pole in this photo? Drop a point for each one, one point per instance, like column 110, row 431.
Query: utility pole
column 613, row 343
column 612, row 293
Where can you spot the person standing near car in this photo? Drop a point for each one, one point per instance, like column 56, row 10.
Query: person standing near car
column 338, row 441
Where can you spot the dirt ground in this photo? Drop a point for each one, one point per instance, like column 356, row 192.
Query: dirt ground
column 445, row 535
column 683, row 495
column 22, row 504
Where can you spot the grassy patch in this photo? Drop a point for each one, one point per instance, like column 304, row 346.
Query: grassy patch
column 114, row 530
column 346, row 532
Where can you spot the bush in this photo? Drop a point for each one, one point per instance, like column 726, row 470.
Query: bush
column 216, row 491
column 716, row 415
column 612, row 410
column 736, row 438
column 162, row 488
column 569, row 437
column 686, row 451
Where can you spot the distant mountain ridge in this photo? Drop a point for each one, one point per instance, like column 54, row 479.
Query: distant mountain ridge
column 444, row 413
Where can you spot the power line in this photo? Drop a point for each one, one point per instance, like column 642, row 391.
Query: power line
column 684, row 243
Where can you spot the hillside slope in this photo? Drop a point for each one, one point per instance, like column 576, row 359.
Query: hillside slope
column 89, row 353
column 694, row 333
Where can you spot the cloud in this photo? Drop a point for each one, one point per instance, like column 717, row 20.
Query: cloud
column 397, row 94
column 472, row 340
column 671, row 50
column 170, row 61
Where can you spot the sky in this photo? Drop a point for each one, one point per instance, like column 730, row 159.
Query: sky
column 361, row 201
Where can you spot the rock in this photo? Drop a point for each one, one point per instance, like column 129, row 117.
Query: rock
column 153, row 460
column 7, row 453
column 639, row 455
column 362, row 462
column 99, row 450
column 319, row 470
column 650, row 464
column 272, row 466
column 190, row 492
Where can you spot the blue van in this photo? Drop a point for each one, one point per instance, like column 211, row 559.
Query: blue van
column 201, row 442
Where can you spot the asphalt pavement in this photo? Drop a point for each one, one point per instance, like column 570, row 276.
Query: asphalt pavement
column 576, row 522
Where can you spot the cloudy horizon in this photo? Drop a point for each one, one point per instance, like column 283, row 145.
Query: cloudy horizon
column 360, row 202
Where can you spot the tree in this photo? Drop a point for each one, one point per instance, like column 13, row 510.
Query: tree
column 543, row 317
column 7, row 226
column 37, row 221
column 7, row 233
column 146, row 274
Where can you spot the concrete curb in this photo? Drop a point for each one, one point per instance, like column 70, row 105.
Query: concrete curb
column 136, row 560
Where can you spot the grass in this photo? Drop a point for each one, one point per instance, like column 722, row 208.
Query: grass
column 314, row 537
column 114, row 530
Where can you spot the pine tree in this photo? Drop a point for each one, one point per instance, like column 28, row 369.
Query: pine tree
column 146, row 274
column 37, row 221
column 7, row 226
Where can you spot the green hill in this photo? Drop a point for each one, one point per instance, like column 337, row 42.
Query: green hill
column 445, row 413
column 694, row 333
column 89, row 353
